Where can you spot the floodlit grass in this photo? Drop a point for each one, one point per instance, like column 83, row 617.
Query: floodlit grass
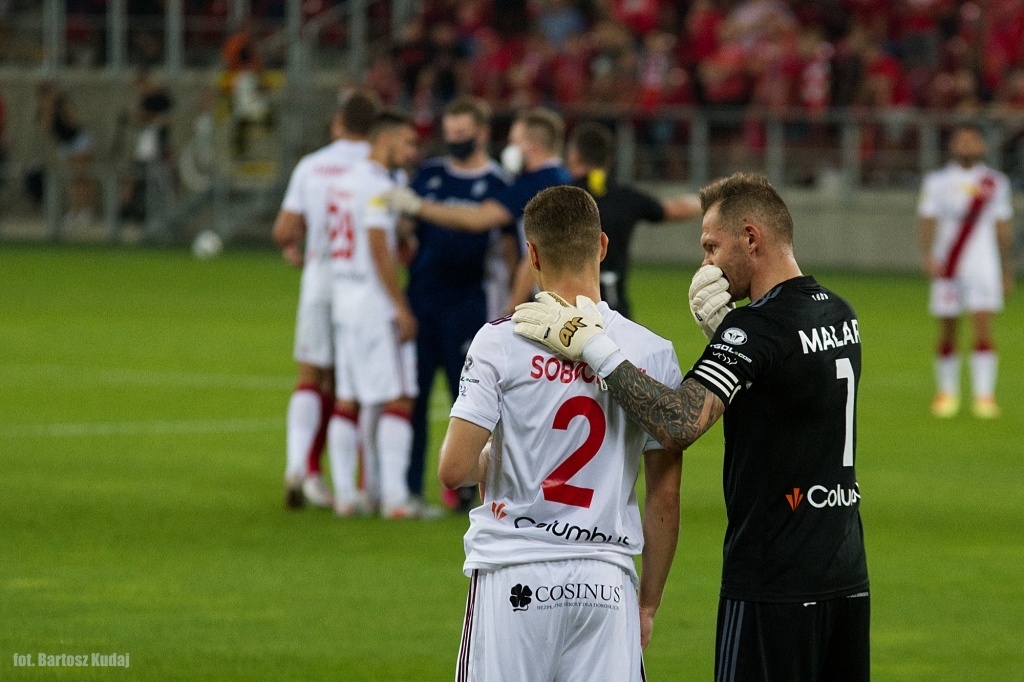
column 142, row 399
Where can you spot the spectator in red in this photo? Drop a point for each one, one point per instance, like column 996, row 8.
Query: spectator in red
column 816, row 75
column 653, row 68
column 492, row 61
column 570, row 70
column 383, row 79
column 639, row 16
column 424, row 103
column 700, row 33
column 878, row 17
column 885, row 84
column 723, row 75
column 240, row 51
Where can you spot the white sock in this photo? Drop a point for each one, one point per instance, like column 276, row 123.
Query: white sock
column 394, row 441
column 369, row 418
column 304, row 414
column 947, row 374
column 342, row 438
column 984, row 364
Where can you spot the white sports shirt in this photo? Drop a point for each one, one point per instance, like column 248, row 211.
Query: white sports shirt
column 306, row 195
column 354, row 207
column 564, row 458
column 947, row 196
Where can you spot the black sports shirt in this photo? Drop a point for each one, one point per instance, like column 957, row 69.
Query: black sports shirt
column 621, row 207
column 787, row 367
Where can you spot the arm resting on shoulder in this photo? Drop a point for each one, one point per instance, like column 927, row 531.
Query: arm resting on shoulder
column 674, row 418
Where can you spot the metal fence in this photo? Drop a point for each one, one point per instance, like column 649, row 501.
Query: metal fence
column 837, row 154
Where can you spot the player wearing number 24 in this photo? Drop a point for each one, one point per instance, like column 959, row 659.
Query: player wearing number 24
column 784, row 370
column 550, row 553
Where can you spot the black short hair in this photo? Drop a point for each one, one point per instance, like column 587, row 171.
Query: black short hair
column 389, row 119
column 357, row 111
column 595, row 144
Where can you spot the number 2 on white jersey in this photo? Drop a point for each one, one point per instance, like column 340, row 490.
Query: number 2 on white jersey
column 556, row 487
column 844, row 370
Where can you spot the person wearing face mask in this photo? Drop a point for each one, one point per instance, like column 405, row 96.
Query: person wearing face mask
column 451, row 270
column 534, row 156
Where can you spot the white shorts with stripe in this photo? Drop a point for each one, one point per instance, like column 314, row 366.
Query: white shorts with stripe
column 955, row 296
column 372, row 367
column 314, row 343
column 565, row 621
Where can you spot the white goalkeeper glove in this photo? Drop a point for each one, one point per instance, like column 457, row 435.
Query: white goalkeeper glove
column 402, row 200
column 574, row 332
column 710, row 300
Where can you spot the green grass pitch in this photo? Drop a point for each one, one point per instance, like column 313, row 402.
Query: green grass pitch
column 142, row 400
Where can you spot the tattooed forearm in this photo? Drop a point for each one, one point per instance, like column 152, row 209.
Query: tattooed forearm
column 675, row 418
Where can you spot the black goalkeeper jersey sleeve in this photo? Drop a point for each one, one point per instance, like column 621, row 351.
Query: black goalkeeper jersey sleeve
column 787, row 367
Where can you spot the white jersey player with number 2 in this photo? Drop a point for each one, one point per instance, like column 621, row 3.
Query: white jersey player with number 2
column 559, row 489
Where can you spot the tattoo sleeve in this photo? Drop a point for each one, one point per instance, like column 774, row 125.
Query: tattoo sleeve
column 675, row 418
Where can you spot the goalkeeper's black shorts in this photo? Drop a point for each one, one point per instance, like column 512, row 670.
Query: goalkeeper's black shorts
column 823, row 641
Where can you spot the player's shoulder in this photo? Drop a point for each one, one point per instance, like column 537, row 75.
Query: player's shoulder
column 1001, row 177
column 376, row 176
column 497, row 336
column 633, row 337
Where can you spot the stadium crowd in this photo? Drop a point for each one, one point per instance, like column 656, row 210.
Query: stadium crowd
column 951, row 55
column 936, row 54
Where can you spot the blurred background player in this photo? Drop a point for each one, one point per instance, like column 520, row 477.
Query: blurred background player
column 304, row 216
column 589, row 158
column 75, row 147
column 446, row 277
column 967, row 242
column 538, row 529
column 374, row 328
column 534, row 157
column 533, row 154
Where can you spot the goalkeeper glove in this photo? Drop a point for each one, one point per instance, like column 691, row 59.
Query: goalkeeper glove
column 574, row 332
column 402, row 200
column 710, row 300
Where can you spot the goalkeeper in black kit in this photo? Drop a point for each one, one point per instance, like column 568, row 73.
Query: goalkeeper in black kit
column 784, row 372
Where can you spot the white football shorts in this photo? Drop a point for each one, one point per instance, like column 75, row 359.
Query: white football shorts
column 567, row 621
column 314, row 343
column 372, row 366
column 955, row 296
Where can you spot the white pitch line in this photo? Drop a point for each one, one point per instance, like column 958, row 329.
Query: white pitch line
column 196, row 426
column 122, row 376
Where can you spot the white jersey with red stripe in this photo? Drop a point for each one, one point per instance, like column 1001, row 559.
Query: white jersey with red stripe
column 354, row 208
column 564, row 457
column 306, row 196
column 947, row 197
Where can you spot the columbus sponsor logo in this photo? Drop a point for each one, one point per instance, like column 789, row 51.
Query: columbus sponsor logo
column 819, row 496
column 571, row 532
